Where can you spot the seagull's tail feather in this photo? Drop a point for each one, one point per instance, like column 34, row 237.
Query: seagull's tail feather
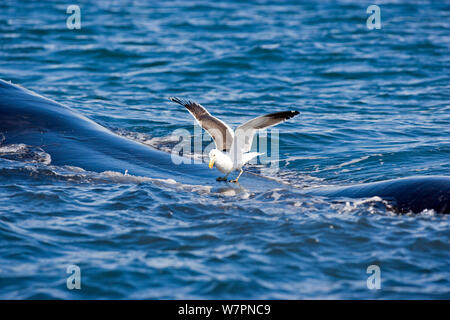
column 246, row 157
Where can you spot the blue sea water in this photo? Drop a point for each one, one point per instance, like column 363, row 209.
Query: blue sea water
column 374, row 106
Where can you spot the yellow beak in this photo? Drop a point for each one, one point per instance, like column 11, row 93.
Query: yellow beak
column 211, row 163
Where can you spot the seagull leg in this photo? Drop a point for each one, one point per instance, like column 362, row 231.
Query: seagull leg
column 223, row 178
column 236, row 180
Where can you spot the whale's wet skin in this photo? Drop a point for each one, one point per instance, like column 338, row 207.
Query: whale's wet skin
column 73, row 140
column 361, row 177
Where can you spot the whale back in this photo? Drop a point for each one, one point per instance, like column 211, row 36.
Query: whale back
column 72, row 139
column 413, row 194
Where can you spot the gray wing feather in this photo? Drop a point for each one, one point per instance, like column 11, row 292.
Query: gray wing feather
column 244, row 133
column 219, row 131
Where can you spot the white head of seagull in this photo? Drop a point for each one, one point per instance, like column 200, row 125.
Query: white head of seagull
column 232, row 147
column 223, row 161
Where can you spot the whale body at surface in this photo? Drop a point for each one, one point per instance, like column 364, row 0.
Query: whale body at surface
column 413, row 194
column 72, row 139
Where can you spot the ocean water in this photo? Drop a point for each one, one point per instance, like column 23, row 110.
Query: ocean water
column 374, row 106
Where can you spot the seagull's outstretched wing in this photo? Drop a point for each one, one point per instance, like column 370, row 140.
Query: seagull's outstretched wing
column 219, row 131
column 244, row 133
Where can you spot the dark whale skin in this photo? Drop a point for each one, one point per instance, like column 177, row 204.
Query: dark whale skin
column 72, row 139
column 414, row 194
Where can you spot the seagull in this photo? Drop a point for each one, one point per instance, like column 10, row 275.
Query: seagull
column 232, row 150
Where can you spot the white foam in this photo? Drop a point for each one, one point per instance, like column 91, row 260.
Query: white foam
column 23, row 153
column 12, row 148
column 356, row 204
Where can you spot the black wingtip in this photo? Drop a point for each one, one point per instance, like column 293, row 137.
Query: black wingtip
column 176, row 100
column 284, row 115
column 291, row 114
column 183, row 102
